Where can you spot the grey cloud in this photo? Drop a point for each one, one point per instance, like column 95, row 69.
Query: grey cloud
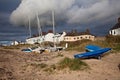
column 69, row 11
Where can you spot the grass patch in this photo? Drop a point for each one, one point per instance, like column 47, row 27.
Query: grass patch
column 42, row 65
column 49, row 70
column 60, row 55
column 109, row 41
column 11, row 47
column 72, row 64
column 16, row 46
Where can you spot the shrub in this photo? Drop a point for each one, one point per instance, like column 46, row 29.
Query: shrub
column 65, row 63
column 77, row 64
column 42, row 65
column 49, row 70
column 113, row 39
column 72, row 64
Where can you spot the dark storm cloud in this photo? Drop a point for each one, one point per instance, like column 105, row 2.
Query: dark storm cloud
column 8, row 5
column 97, row 15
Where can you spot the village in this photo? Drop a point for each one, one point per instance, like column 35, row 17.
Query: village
column 59, row 39
column 34, row 60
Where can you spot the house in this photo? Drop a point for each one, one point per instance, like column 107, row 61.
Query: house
column 14, row 43
column 78, row 37
column 8, row 43
column 48, row 37
column 55, row 38
column 75, row 36
column 115, row 30
column 34, row 40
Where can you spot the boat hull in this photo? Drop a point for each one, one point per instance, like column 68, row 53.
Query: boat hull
column 96, row 53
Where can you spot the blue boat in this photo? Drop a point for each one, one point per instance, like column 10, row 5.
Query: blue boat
column 96, row 53
column 27, row 50
column 91, row 48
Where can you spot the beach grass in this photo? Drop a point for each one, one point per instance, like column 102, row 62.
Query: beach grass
column 109, row 41
column 72, row 64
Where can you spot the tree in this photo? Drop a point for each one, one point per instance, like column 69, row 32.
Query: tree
column 87, row 31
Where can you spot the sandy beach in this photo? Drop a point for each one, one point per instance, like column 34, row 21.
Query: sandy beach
column 17, row 65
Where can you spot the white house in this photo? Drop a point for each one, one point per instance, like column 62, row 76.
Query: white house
column 55, row 38
column 48, row 37
column 79, row 37
column 115, row 30
column 34, row 40
column 14, row 43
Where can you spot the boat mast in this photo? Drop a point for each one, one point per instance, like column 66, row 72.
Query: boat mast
column 53, row 22
column 39, row 27
column 29, row 27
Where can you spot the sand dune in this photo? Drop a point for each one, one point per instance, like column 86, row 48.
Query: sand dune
column 15, row 65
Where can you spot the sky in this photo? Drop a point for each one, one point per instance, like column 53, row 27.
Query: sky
column 96, row 15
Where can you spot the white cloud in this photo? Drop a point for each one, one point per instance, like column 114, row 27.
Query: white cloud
column 72, row 11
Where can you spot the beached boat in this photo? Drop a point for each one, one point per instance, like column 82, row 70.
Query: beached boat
column 34, row 49
column 96, row 53
column 27, row 50
column 90, row 48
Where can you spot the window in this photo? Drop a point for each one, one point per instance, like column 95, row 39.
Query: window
column 89, row 37
column 34, row 40
column 111, row 32
column 114, row 32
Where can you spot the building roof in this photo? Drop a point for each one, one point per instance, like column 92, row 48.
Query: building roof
column 78, row 34
column 116, row 26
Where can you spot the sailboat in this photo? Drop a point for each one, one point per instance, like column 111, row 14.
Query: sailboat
column 29, row 27
column 39, row 30
column 54, row 48
column 31, row 40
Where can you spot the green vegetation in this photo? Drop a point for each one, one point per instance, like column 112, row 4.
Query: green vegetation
column 51, row 68
column 109, row 41
column 60, row 55
column 16, row 46
column 42, row 65
column 113, row 39
column 72, row 64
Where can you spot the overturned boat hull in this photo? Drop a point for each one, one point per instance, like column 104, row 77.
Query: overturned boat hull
column 96, row 53
column 91, row 48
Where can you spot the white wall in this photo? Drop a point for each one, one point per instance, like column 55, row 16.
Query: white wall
column 35, row 40
column 57, row 37
column 115, row 31
column 48, row 37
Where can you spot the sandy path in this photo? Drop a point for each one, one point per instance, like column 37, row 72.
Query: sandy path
column 14, row 66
